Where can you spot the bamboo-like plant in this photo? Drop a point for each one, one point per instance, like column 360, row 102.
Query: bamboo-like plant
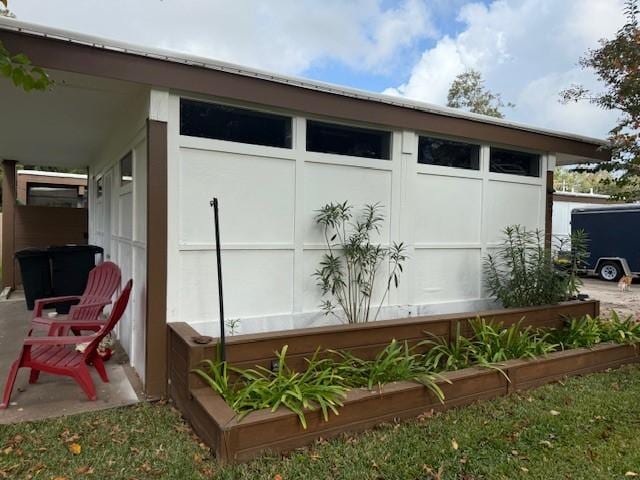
column 348, row 270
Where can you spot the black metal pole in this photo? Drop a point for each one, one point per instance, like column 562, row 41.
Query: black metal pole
column 214, row 204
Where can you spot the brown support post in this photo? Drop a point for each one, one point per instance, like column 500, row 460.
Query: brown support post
column 8, row 223
column 156, row 321
column 548, row 218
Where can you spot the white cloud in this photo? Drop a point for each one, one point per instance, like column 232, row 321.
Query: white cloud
column 282, row 35
column 527, row 50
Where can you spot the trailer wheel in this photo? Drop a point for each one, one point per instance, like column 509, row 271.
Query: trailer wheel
column 610, row 271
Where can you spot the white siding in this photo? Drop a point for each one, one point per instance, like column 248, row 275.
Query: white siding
column 449, row 218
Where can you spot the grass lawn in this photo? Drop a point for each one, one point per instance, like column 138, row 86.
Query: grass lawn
column 585, row 428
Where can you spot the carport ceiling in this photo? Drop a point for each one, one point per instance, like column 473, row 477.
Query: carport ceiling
column 66, row 126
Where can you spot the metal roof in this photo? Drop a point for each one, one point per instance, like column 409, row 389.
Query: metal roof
column 11, row 24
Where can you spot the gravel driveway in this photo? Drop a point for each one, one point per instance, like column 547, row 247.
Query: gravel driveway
column 612, row 298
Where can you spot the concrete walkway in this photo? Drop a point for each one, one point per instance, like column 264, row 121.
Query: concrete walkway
column 52, row 396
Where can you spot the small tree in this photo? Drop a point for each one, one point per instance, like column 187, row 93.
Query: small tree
column 348, row 271
column 617, row 65
column 468, row 92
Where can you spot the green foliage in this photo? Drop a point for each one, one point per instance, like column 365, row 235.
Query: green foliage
column 348, row 271
column 397, row 362
column 468, row 92
column 522, row 272
column 589, row 331
column 618, row 330
column 602, row 182
column 494, row 343
column 19, row 69
column 317, row 387
column 445, row 355
column 491, row 344
column 616, row 64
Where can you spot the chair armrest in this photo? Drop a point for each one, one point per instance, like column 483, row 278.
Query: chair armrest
column 76, row 323
column 70, row 340
column 41, row 303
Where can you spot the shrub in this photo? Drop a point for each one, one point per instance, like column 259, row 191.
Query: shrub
column 348, row 271
column 522, row 272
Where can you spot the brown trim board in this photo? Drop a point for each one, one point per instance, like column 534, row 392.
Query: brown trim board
column 548, row 213
column 156, row 295
column 66, row 56
column 8, row 222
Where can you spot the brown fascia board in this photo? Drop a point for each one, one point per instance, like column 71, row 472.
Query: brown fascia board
column 58, row 54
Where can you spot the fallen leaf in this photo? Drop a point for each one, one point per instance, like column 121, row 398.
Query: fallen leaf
column 75, row 448
column 524, row 469
column 546, row 443
column 454, row 444
column 277, row 477
column 631, row 474
column 554, row 412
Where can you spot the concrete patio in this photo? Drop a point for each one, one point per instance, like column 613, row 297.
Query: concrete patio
column 53, row 396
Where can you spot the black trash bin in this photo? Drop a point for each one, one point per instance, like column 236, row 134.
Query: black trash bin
column 36, row 274
column 70, row 267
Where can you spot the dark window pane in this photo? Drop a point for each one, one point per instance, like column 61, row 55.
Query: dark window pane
column 446, row 153
column 126, row 169
column 220, row 122
column 342, row 140
column 514, row 162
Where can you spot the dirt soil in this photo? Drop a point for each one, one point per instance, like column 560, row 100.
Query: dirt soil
column 611, row 297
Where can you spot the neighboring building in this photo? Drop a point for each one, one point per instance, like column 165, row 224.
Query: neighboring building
column 162, row 133
column 51, row 189
column 565, row 202
column 50, row 209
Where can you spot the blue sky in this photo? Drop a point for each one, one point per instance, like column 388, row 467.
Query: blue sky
column 527, row 50
column 446, row 22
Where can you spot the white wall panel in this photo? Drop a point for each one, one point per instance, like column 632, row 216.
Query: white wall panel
column 256, row 197
column 510, row 204
column 444, row 275
column 447, row 209
column 325, row 183
column 255, row 283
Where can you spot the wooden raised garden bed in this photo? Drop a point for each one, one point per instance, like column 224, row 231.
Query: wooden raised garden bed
column 236, row 440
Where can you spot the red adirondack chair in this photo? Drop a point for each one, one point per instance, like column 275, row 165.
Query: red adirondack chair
column 57, row 355
column 102, row 283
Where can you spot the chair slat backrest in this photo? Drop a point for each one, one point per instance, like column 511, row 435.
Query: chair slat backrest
column 103, row 281
column 116, row 314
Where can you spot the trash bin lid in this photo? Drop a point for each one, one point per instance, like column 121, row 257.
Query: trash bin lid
column 31, row 252
column 75, row 249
